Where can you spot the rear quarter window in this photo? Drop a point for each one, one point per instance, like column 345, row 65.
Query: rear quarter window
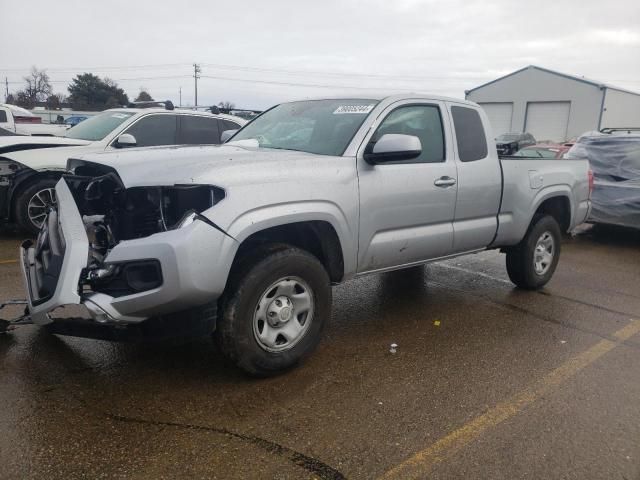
column 196, row 130
column 228, row 125
column 470, row 136
column 3, row 116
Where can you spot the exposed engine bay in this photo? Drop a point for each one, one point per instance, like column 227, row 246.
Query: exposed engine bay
column 113, row 213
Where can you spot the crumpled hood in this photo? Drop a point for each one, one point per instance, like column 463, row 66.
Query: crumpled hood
column 14, row 143
column 220, row 165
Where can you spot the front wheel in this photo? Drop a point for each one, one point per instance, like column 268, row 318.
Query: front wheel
column 532, row 262
column 33, row 203
column 277, row 305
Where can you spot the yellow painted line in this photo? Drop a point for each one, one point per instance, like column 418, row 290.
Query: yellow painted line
column 2, row 262
column 421, row 463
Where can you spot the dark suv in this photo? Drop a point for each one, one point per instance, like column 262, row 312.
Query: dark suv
column 510, row 143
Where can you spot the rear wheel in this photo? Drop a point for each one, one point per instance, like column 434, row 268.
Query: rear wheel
column 277, row 305
column 33, row 203
column 533, row 261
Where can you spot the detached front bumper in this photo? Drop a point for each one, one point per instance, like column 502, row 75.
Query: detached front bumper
column 55, row 268
column 51, row 267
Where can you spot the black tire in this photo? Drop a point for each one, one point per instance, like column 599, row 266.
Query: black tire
column 24, row 196
column 247, row 286
column 520, row 259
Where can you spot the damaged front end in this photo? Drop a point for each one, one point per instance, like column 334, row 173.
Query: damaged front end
column 113, row 214
column 124, row 253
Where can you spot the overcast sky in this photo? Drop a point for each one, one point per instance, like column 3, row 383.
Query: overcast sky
column 257, row 53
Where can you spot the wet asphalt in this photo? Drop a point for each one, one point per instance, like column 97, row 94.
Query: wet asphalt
column 487, row 382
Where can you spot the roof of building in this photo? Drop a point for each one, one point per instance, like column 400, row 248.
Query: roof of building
column 595, row 83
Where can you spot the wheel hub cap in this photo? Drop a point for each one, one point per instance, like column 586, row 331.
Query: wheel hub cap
column 543, row 253
column 283, row 314
column 279, row 311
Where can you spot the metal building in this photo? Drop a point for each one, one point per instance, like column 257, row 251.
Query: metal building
column 554, row 106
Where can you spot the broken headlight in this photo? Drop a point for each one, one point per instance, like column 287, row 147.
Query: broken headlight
column 180, row 202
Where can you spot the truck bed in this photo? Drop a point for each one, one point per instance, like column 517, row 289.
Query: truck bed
column 521, row 191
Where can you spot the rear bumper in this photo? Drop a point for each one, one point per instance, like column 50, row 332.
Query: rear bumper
column 584, row 210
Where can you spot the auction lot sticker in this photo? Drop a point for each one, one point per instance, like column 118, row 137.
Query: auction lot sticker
column 353, row 109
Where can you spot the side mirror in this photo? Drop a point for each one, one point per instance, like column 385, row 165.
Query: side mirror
column 227, row 134
column 393, row 147
column 126, row 140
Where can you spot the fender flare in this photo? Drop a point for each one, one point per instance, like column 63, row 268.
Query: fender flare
column 269, row 216
column 553, row 191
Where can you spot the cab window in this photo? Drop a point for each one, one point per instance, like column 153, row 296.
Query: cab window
column 470, row 136
column 154, row 130
column 422, row 121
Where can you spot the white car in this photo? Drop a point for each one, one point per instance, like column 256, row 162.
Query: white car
column 18, row 121
column 31, row 166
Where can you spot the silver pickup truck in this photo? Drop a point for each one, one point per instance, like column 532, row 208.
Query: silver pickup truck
column 248, row 237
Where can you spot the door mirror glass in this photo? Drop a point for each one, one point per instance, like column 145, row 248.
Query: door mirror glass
column 126, row 140
column 227, row 134
column 393, row 147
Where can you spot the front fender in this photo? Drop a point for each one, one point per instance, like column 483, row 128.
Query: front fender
column 268, row 216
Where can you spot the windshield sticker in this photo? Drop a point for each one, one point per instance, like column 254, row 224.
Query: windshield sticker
column 119, row 115
column 359, row 109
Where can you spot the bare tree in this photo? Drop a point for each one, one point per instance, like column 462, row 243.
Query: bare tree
column 226, row 105
column 38, row 87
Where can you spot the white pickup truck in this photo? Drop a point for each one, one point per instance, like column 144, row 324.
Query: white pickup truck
column 247, row 237
column 18, row 121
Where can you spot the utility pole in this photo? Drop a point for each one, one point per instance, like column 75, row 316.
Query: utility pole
column 6, row 86
column 196, row 76
column 180, row 104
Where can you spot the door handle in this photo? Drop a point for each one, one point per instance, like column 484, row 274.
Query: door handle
column 445, row 182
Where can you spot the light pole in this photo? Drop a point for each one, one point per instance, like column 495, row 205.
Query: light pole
column 196, row 76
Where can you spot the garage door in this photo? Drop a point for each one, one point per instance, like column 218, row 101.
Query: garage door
column 548, row 120
column 499, row 115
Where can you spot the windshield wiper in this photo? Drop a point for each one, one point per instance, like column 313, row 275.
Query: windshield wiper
column 283, row 148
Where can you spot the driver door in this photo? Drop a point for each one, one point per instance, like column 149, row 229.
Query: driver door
column 407, row 207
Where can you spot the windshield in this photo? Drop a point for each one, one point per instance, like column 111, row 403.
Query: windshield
column 508, row 137
column 98, row 126
column 324, row 127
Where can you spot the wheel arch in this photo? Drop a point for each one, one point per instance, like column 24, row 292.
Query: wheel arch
column 318, row 237
column 558, row 207
column 556, row 203
column 24, row 181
